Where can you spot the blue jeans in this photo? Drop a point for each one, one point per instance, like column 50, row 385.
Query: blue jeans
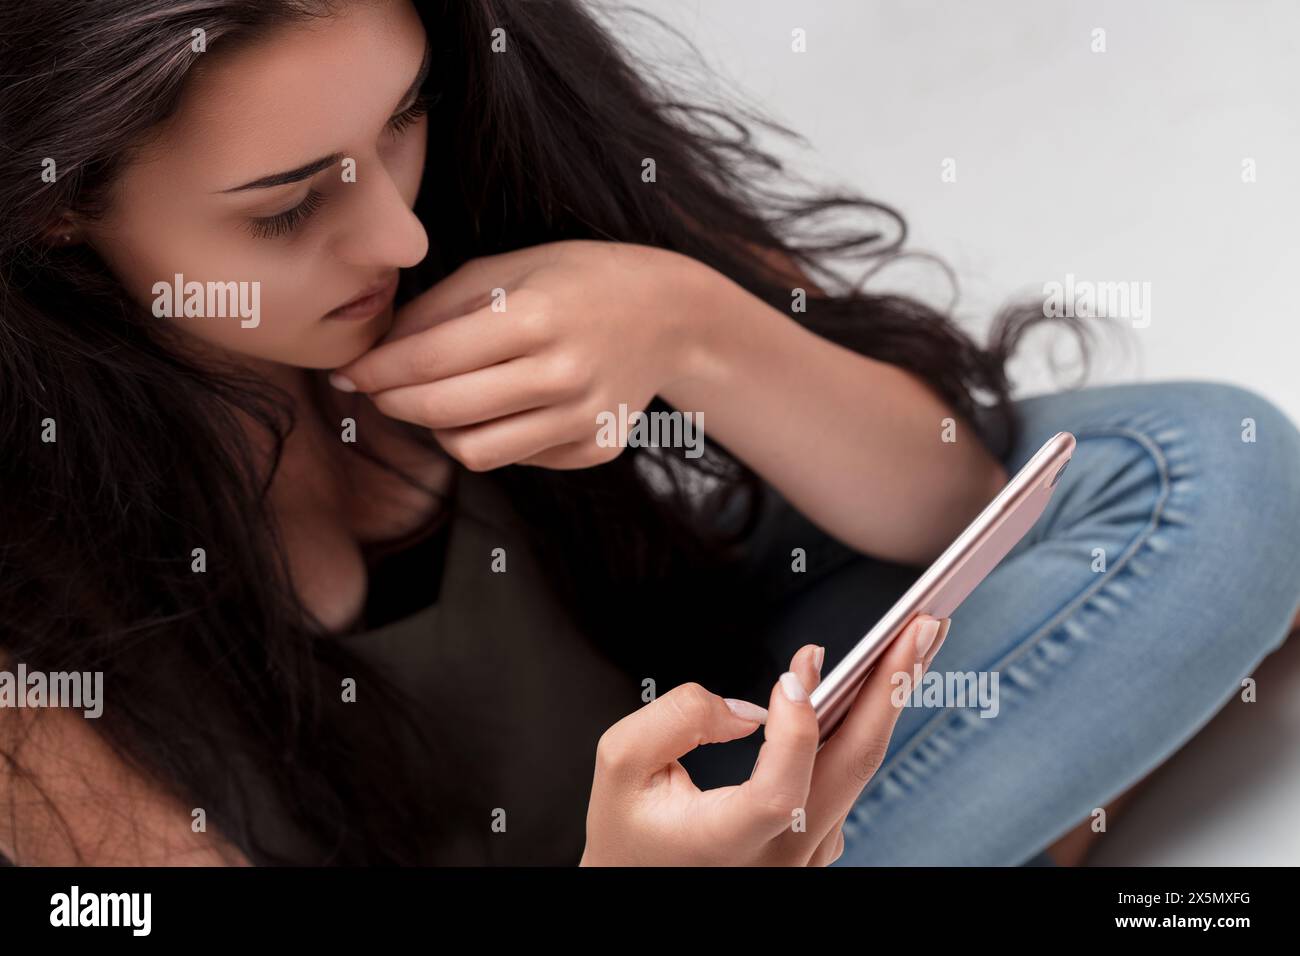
column 1166, row 566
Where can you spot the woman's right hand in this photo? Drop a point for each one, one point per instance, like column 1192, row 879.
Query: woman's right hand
column 645, row 811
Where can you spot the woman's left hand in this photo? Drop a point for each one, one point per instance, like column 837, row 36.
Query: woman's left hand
column 510, row 359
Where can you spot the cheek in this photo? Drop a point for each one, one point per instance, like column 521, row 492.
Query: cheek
column 275, row 316
column 288, row 329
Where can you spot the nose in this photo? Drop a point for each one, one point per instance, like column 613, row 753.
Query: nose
column 381, row 230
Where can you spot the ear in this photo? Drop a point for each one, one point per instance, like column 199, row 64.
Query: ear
column 62, row 234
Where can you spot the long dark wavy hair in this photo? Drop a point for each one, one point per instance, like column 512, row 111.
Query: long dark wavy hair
column 546, row 143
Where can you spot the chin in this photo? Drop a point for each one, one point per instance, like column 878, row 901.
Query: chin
column 346, row 343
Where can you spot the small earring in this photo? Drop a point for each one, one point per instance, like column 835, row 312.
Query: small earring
column 67, row 237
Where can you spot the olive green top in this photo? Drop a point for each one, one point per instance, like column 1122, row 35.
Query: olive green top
column 506, row 680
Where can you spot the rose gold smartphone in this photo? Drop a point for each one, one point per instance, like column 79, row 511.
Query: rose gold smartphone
column 954, row 574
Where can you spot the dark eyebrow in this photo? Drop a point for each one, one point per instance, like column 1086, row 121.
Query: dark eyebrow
column 292, row 176
column 316, row 165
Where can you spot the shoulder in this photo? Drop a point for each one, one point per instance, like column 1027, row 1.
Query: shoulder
column 66, row 798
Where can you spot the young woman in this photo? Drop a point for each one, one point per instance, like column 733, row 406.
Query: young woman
column 338, row 622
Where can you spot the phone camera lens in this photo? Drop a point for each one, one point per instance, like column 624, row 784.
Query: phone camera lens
column 1058, row 473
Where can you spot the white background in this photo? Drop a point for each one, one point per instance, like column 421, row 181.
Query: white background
column 1117, row 166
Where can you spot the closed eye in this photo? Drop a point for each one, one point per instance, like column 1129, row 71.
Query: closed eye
column 409, row 116
column 269, row 227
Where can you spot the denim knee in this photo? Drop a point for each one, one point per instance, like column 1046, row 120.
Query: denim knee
column 1196, row 497
column 1251, row 449
column 1244, row 450
column 1241, row 465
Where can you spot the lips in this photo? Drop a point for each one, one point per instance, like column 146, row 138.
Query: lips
column 368, row 302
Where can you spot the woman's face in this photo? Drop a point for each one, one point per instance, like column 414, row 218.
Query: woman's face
column 290, row 167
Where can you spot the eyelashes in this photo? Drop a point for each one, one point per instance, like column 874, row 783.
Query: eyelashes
column 270, row 227
column 409, row 116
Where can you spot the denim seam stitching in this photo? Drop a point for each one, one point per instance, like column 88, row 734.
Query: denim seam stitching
column 1152, row 447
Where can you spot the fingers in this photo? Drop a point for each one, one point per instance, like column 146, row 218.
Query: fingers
column 832, row 845
column 938, row 643
column 485, row 394
column 475, row 282
column 856, row 750
column 469, row 287
column 507, row 440
column 807, row 664
column 764, row 805
column 671, row 726
column 453, row 347
column 574, row 454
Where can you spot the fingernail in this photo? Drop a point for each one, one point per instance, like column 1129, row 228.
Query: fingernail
column 944, row 626
column 819, row 655
column 925, row 636
column 745, row 710
column 792, row 688
column 342, row 383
